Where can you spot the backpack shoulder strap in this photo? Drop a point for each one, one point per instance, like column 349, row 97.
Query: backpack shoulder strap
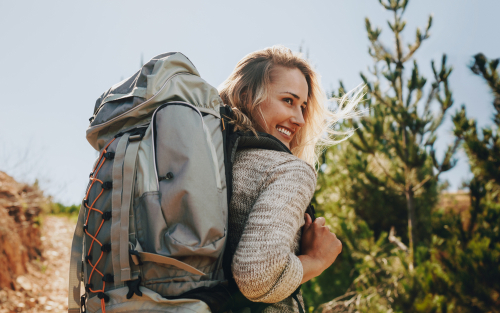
column 243, row 140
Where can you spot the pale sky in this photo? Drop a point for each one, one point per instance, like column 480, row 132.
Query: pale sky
column 58, row 57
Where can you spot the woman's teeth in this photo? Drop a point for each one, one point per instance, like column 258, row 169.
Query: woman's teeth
column 284, row 131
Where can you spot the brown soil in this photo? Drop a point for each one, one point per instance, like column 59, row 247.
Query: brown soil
column 44, row 287
column 20, row 206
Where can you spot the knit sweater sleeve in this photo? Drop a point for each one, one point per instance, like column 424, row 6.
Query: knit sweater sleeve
column 265, row 266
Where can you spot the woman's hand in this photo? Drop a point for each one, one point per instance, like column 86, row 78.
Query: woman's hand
column 320, row 247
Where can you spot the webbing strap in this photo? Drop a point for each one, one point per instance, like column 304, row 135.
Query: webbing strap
column 128, row 189
column 116, row 204
column 75, row 265
column 151, row 257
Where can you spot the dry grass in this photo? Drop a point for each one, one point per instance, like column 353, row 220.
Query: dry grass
column 456, row 203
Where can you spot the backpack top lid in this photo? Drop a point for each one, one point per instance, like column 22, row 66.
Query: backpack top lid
column 132, row 102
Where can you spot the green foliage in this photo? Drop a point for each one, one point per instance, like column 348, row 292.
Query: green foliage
column 468, row 251
column 483, row 151
column 58, row 208
column 467, row 270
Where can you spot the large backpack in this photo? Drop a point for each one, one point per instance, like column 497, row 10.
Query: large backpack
column 152, row 227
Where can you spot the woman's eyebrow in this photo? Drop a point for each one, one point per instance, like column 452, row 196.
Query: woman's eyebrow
column 294, row 95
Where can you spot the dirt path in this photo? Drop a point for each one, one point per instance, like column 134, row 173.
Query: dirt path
column 45, row 287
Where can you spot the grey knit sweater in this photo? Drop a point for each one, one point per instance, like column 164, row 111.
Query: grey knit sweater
column 271, row 191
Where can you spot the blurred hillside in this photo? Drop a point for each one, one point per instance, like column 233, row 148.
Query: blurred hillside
column 20, row 208
column 34, row 250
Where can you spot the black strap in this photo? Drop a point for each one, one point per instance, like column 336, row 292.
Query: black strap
column 226, row 113
column 218, row 298
column 294, row 296
column 244, row 140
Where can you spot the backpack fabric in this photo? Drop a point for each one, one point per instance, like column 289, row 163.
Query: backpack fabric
column 152, row 226
column 153, row 220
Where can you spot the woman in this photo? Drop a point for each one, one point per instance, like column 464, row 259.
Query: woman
column 276, row 247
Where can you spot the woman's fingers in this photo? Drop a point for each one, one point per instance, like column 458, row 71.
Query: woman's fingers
column 319, row 243
column 320, row 221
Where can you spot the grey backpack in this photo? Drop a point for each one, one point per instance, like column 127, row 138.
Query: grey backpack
column 152, row 225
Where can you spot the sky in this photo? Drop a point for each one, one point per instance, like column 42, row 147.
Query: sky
column 58, row 57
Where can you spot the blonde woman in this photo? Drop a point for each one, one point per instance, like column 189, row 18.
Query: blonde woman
column 275, row 246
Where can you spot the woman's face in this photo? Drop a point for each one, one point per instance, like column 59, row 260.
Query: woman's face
column 282, row 113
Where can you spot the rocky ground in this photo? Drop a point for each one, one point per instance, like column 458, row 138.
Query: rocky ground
column 44, row 288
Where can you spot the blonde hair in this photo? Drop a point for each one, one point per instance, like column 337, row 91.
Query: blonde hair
column 248, row 86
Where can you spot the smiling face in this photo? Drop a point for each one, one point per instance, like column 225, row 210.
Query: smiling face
column 283, row 111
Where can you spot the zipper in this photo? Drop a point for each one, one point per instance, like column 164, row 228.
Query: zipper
column 205, row 130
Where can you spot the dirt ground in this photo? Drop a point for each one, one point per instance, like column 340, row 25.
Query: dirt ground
column 45, row 287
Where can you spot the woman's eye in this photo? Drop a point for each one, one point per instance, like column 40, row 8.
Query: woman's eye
column 289, row 101
column 303, row 108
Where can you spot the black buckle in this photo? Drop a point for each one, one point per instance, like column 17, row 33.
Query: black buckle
column 83, row 304
column 107, row 185
column 133, row 287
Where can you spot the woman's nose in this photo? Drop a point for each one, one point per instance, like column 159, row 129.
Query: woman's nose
column 298, row 117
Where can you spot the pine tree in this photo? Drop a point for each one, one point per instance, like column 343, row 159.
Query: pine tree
column 467, row 250
column 483, row 153
column 396, row 138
